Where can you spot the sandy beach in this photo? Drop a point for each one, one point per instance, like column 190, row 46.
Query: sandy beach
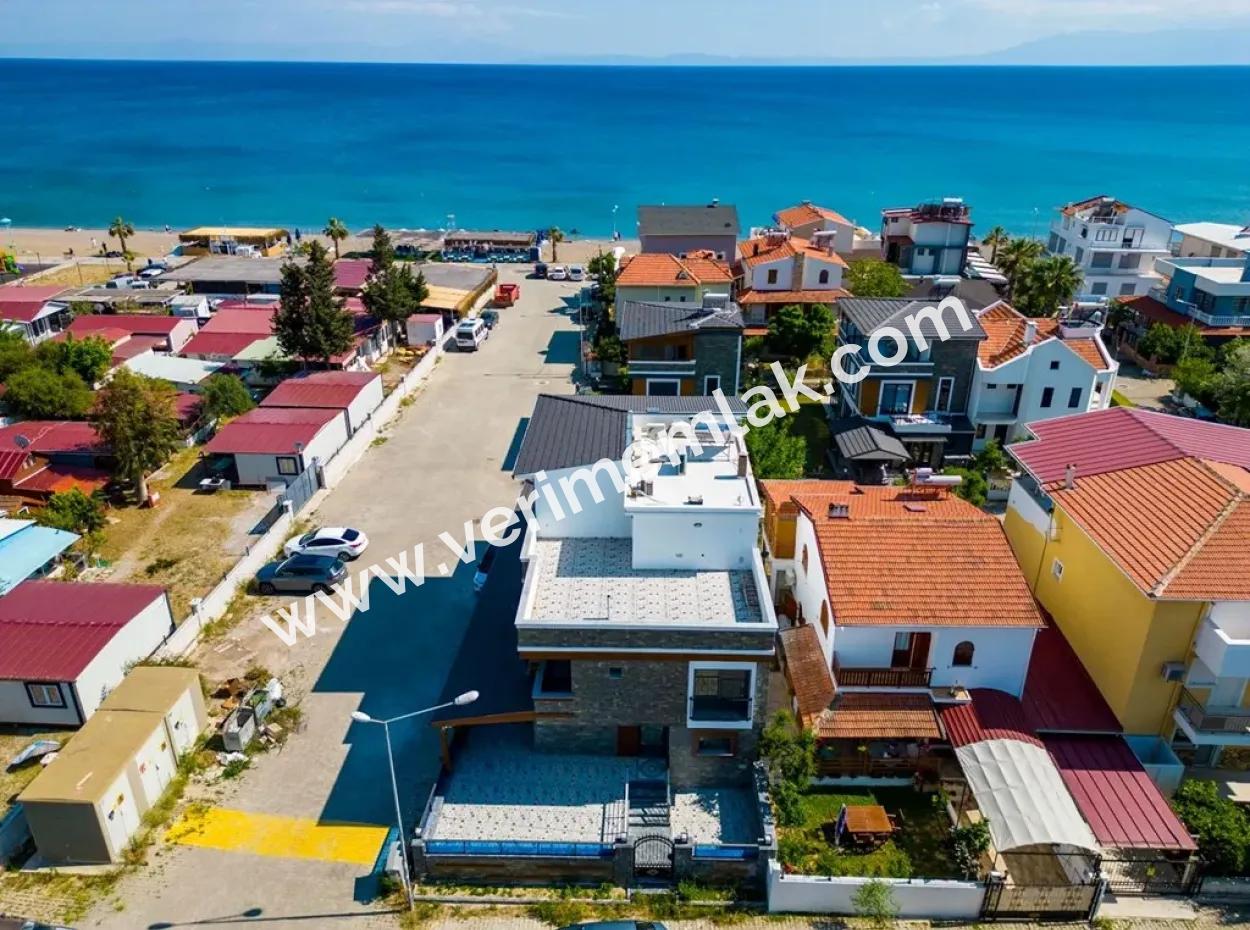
column 49, row 246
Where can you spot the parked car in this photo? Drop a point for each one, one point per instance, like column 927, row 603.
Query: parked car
column 483, row 569
column 300, row 574
column 338, row 542
column 617, row 925
column 577, row 273
column 471, row 333
column 152, row 271
column 20, row 923
column 557, row 273
column 540, row 269
column 490, row 318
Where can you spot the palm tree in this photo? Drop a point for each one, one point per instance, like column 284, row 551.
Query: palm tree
column 122, row 230
column 1015, row 258
column 995, row 238
column 336, row 232
column 556, row 235
column 1049, row 284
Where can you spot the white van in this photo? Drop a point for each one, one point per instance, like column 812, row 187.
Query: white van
column 471, row 333
column 577, row 273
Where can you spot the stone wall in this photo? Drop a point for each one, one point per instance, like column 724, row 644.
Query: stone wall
column 954, row 358
column 717, row 352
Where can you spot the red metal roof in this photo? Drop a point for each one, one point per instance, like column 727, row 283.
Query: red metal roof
column 51, row 630
column 1059, row 696
column 1121, row 437
column 245, row 304
column 1115, row 795
column 25, row 302
column 133, row 346
column 12, row 461
column 240, row 320
column 316, row 390
column 133, row 323
column 226, row 345
column 270, row 431
column 991, row 714
column 351, row 273
column 53, row 436
column 187, row 406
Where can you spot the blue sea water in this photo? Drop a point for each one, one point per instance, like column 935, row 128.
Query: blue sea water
column 520, row 147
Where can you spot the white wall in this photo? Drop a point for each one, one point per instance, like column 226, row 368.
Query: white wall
column 693, row 538
column 915, row 898
column 329, row 439
column 812, row 267
column 605, row 518
column 367, row 401
column 810, row 589
column 15, row 706
column 181, row 334
column 153, row 767
column 1000, row 656
column 137, row 640
column 757, row 275
column 260, row 470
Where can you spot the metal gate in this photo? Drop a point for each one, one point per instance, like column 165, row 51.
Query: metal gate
column 1151, row 873
column 653, row 857
column 302, row 487
column 1041, row 902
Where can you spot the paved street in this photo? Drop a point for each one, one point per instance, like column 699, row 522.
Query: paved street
column 281, row 849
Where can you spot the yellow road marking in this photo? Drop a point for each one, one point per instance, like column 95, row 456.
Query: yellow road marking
column 283, row 837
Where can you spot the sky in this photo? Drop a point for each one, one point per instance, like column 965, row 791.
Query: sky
column 544, row 30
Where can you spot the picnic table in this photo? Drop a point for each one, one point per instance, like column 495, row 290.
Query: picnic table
column 868, row 824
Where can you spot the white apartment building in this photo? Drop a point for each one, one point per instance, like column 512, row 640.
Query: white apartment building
column 1113, row 243
column 1211, row 240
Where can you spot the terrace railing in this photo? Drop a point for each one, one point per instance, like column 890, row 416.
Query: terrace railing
column 1213, row 719
column 881, row 677
column 517, row 848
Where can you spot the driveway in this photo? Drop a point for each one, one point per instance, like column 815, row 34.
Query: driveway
column 275, row 855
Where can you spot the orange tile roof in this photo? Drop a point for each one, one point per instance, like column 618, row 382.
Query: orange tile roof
column 879, row 715
column 1004, row 328
column 809, row 676
column 747, row 298
column 657, row 269
column 809, row 212
column 759, row 250
column 916, row 556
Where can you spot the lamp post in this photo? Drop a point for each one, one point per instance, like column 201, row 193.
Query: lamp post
column 360, row 716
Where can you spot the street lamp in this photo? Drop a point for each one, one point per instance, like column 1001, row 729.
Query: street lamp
column 361, row 717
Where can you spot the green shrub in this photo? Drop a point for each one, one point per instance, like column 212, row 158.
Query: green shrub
column 875, row 902
column 1220, row 826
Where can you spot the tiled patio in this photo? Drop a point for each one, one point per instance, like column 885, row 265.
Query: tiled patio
column 715, row 815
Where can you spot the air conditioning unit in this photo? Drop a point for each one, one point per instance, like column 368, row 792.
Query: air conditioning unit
column 1173, row 671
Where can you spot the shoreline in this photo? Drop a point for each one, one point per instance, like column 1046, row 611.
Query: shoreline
column 46, row 245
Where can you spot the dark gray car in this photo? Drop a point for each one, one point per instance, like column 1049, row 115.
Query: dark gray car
column 300, row 574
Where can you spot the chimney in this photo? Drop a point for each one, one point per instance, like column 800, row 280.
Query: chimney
column 742, row 465
column 1069, row 476
column 1030, row 332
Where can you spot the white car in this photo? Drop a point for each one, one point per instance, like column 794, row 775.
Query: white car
column 341, row 542
column 557, row 273
column 577, row 273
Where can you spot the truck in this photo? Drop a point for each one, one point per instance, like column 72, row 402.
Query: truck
column 506, row 294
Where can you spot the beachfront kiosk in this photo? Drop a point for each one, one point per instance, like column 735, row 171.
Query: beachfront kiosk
column 232, row 240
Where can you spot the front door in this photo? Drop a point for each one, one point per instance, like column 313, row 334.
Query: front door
column 911, row 650
column 628, row 741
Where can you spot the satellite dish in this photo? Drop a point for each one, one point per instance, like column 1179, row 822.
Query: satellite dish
column 21, row 441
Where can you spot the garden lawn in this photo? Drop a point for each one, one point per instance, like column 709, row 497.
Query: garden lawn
column 917, row 850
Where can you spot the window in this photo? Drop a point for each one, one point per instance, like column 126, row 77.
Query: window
column 1054, row 366
column 715, row 745
column 824, row 617
column 44, row 695
column 803, row 558
column 682, row 298
column 1079, row 257
column 1126, row 290
column 895, row 398
column 1056, row 569
column 1101, row 260
column 946, row 388
column 963, row 654
column 1074, row 398
column 1098, row 288
column 980, row 431
column 1130, row 261
column 555, row 677
column 720, row 694
column 772, row 275
column 823, row 277
column 711, row 384
column 288, row 465
column 616, row 672
column 663, row 387
column 1048, row 395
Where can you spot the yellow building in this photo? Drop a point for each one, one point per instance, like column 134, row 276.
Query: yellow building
column 227, row 240
column 1133, row 529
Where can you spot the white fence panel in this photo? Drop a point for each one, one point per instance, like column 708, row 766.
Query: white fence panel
column 916, row 898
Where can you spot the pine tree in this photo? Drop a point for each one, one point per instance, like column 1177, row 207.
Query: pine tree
column 311, row 322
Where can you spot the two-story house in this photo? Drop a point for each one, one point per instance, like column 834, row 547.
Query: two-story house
column 912, row 599
column 923, row 400
column 1113, row 243
column 806, row 219
column 1133, row 528
column 645, row 614
column 928, row 239
column 665, row 278
column 779, row 269
column 1213, row 293
column 680, row 230
column 677, row 350
column 1035, row 369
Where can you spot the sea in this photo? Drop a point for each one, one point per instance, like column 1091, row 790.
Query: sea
column 522, row 147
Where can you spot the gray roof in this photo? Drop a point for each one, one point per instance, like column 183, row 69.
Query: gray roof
column 230, row 268
column 871, row 313
column 976, row 293
column 568, row 430
column 460, row 277
column 638, row 320
column 699, row 220
column 860, row 442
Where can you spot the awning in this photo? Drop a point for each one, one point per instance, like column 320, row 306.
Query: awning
column 859, row 442
column 1022, row 795
column 877, row 715
column 806, row 670
column 26, row 551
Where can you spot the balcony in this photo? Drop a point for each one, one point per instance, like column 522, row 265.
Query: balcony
column 1210, row 725
column 931, row 421
column 662, row 368
column 880, row 677
column 1223, row 642
column 719, row 709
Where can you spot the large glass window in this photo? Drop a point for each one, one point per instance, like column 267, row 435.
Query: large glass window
column 721, row 694
column 895, row 398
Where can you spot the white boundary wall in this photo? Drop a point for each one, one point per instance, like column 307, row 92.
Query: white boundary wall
column 923, row 898
column 213, row 606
